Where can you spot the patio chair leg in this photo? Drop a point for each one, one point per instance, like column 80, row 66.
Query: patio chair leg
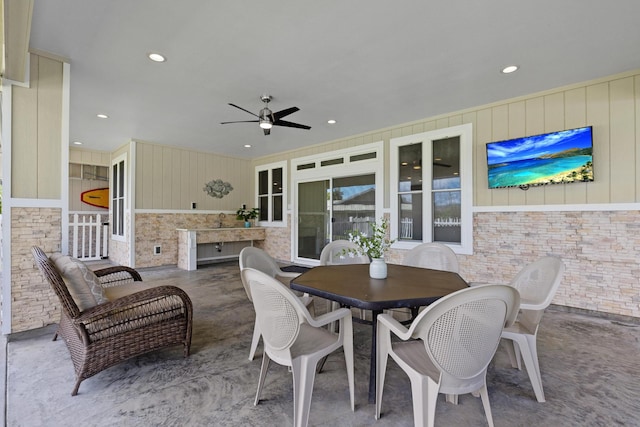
column 321, row 364
column 75, row 389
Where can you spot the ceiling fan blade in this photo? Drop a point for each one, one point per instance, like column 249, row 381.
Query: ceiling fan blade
column 282, row 113
column 290, row 124
column 240, row 108
column 240, row 121
column 267, row 131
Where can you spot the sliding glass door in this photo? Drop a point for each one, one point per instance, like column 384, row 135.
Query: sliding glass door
column 329, row 209
column 313, row 218
column 334, row 193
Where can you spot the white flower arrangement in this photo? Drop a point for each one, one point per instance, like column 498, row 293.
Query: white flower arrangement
column 373, row 246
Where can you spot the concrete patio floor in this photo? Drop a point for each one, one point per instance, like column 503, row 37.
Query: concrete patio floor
column 589, row 370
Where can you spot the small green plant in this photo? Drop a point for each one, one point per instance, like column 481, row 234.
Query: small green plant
column 247, row 214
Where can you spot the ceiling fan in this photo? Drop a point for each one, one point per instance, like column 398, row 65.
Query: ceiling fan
column 267, row 118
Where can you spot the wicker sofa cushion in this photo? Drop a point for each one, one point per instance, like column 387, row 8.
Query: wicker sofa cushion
column 84, row 286
column 112, row 293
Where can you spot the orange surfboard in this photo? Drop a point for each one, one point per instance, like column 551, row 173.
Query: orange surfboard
column 98, row 197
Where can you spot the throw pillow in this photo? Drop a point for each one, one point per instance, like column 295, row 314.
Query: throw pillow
column 83, row 285
column 95, row 287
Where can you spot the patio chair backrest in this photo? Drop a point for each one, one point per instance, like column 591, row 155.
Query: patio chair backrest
column 51, row 273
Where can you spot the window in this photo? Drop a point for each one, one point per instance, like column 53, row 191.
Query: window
column 118, row 197
column 431, row 189
column 271, row 184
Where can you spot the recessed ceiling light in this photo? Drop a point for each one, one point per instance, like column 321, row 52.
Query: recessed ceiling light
column 331, row 122
column 102, row 116
column 247, row 145
column 156, row 57
column 509, row 69
column 77, row 142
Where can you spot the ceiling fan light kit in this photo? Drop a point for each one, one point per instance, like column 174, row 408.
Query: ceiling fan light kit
column 265, row 124
column 267, row 119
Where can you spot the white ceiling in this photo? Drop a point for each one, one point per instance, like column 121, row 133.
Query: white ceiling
column 367, row 64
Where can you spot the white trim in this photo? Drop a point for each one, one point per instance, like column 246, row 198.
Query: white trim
column 181, row 211
column 7, row 204
column 33, row 203
column 596, row 207
column 130, row 203
column 64, row 156
column 465, row 133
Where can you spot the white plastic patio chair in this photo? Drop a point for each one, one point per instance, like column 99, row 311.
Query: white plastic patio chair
column 292, row 337
column 537, row 284
column 433, row 255
column 334, row 254
column 251, row 257
column 448, row 347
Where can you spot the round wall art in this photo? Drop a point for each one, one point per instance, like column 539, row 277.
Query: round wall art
column 217, row 188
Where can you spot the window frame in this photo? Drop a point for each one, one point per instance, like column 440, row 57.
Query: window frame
column 121, row 179
column 465, row 133
column 285, row 211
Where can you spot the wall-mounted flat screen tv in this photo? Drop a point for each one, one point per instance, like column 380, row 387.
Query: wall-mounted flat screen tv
column 550, row 158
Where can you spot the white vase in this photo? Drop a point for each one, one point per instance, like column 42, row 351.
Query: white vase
column 378, row 268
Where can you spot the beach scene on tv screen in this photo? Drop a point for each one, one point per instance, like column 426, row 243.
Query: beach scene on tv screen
column 552, row 158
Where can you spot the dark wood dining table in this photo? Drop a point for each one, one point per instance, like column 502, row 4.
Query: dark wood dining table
column 351, row 286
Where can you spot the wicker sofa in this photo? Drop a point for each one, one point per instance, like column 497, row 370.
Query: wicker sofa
column 128, row 318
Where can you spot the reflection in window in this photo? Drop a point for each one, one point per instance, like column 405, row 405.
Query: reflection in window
column 446, row 191
column 353, row 205
column 118, row 198
column 410, row 192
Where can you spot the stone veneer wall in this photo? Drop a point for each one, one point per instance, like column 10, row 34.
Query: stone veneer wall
column 599, row 249
column 33, row 302
column 159, row 229
column 278, row 242
column 119, row 250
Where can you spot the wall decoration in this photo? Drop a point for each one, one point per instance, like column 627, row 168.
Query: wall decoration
column 217, row 188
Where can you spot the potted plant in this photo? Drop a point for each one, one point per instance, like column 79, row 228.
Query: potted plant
column 374, row 245
column 247, row 215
